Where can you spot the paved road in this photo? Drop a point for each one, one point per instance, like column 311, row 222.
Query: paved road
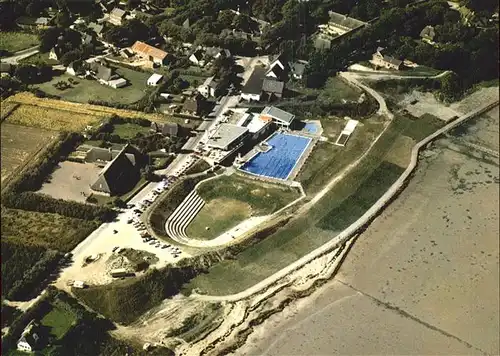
column 363, row 220
column 25, row 53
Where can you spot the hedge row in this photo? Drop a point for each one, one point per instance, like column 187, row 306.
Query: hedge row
column 45, row 204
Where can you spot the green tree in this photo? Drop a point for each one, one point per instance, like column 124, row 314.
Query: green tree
column 451, row 87
column 63, row 19
column 225, row 18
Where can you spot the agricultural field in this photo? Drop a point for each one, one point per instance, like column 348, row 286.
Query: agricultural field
column 50, row 231
column 19, row 144
column 17, row 41
column 94, row 112
column 343, row 204
column 88, row 89
column 48, row 118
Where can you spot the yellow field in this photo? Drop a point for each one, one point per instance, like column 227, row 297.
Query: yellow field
column 62, row 115
column 50, row 119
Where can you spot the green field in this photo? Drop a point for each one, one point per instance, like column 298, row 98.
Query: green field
column 327, row 159
column 343, row 204
column 128, row 131
column 334, row 90
column 87, row 89
column 17, row 41
column 50, row 231
column 59, row 321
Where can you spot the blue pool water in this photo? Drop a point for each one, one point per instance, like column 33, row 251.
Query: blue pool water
column 311, row 127
column 279, row 161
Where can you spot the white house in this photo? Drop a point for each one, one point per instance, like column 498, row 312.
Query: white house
column 207, row 89
column 278, row 68
column 154, row 79
column 29, row 339
column 197, row 57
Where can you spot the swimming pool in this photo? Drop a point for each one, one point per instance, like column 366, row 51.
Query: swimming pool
column 280, row 160
column 311, row 127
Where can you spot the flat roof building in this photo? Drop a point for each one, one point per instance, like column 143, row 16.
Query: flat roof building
column 225, row 136
column 281, row 117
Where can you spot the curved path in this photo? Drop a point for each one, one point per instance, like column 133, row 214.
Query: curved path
column 363, row 220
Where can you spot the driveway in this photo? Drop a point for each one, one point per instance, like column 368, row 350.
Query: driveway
column 25, row 53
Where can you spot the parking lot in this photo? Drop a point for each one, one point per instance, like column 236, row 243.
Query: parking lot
column 125, row 232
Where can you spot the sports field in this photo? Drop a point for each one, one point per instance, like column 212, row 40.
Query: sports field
column 232, row 199
column 281, row 159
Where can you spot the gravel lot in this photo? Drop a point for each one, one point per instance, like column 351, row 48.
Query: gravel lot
column 422, row 279
column 64, row 185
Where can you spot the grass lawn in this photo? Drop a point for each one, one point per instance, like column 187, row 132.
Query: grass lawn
column 264, row 198
column 17, row 41
column 59, row 321
column 218, row 220
column 39, row 58
column 46, row 230
column 87, row 89
column 334, row 90
column 340, row 206
column 128, row 131
column 420, row 70
column 327, row 159
column 200, row 166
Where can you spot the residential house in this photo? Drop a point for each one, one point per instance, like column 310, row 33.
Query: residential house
column 75, row 68
column 154, row 79
column 106, row 75
column 119, row 175
column 428, row 34
column 217, row 52
column 278, row 68
column 116, row 16
column 380, row 59
column 30, row 22
column 297, row 69
column 56, row 52
column 152, row 54
column 167, row 129
column 88, row 39
column 252, row 89
column 207, row 89
column 197, row 57
column 272, row 89
column 192, row 106
column 97, row 28
column 29, row 340
column 338, row 25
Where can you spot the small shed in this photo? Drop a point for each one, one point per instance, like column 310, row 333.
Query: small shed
column 154, row 79
column 117, row 83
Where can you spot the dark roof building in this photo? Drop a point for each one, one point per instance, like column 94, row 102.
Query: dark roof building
column 272, row 89
column 254, row 83
column 119, row 175
column 102, row 72
column 167, row 129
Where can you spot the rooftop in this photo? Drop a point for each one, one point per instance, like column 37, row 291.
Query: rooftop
column 224, row 135
column 254, row 83
column 144, row 48
column 273, row 86
column 278, row 114
column 344, row 20
column 155, row 78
